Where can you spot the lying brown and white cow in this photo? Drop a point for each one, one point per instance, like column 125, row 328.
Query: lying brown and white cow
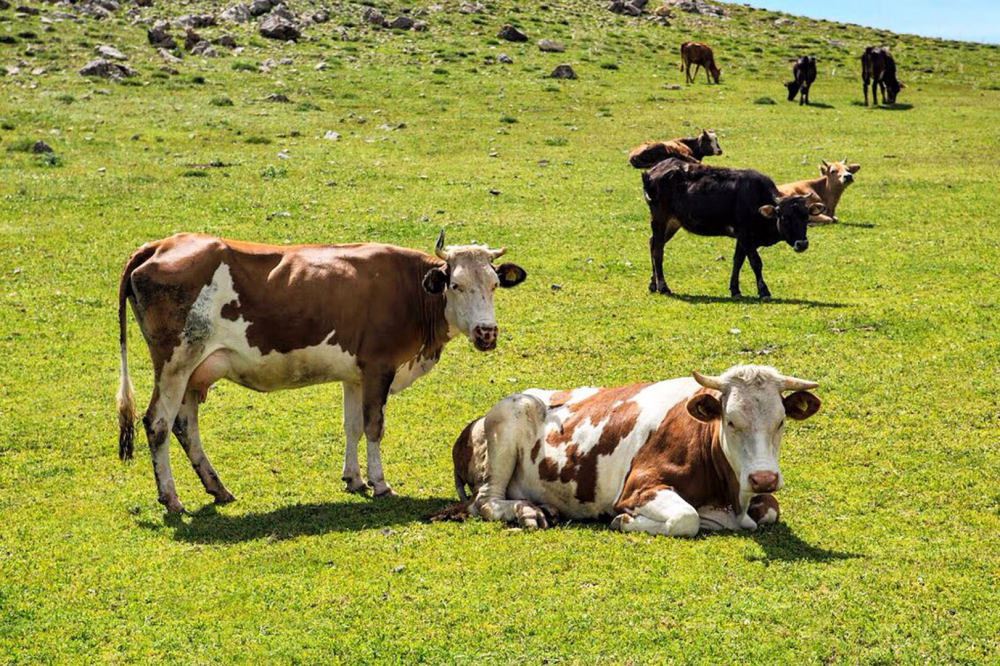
column 664, row 458
column 834, row 177
column 690, row 149
column 375, row 317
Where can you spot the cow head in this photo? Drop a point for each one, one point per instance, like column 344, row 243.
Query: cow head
column 752, row 410
column 708, row 143
column 467, row 280
column 714, row 70
column 791, row 214
column 838, row 174
column 892, row 88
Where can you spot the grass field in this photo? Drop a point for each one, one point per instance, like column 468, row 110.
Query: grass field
column 889, row 548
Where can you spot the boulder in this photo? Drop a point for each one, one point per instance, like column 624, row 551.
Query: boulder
column 511, row 34
column 695, row 7
column 472, row 8
column 191, row 39
column 204, row 49
column 160, row 39
column 402, row 23
column 420, row 26
column 40, row 147
column 505, row 59
column 225, row 40
column 563, row 72
column 550, row 46
column 110, row 52
column 195, row 21
column 275, row 26
column 237, row 14
column 107, row 69
column 260, row 7
column 373, row 16
column 167, row 55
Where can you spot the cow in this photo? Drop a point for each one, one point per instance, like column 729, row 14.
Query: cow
column 714, row 201
column 699, row 55
column 834, row 177
column 670, row 457
column 803, row 74
column 690, row 149
column 375, row 317
column 879, row 69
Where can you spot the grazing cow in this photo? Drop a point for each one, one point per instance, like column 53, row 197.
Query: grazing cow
column 803, row 73
column 834, row 177
column 691, row 149
column 699, row 55
column 665, row 458
column 879, row 69
column 375, row 317
column 713, row 201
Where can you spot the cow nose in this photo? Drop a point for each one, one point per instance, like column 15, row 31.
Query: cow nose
column 848, row 178
column 485, row 336
column 801, row 246
column 763, row 482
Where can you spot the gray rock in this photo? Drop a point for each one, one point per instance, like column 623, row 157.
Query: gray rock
column 27, row 11
column 40, row 147
column 622, row 7
column 420, row 26
column 316, row 17
column 110, row 52
column 511, row 34
column 107, row 69
column 167, row 55
column 373, row 16
column 159, row 38
column 260, row 7
column 278, row 97
column 195, row 21
column 225, row 40
column 277, row 27
column 401, row 23
column 204, row 49
column 191, row 39
column 695, row 7
column 563, row 72
column 239, row 13
column 550, row 46
column 471, row 8
column 505, row 59
column 4, row 4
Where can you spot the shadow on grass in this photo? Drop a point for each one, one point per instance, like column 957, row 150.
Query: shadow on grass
column 208, row 526
column 885, row 107
column 820, row 105
column 780, row 543
column 860, row 225
column 700, row 298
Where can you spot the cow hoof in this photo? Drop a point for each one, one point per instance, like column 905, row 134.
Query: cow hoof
column 530, row 517
column 225, row 497
column 736, row 294
column 620, row 521
column 385, row 491
column 551, row 513
column 764, row 297
column 652, row 287
column 173, row 505
column 663, row 289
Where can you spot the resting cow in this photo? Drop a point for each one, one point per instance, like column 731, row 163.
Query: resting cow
column 879, row 69
column 665, row 458
column 712, row 201
column 375, row 317
column 699, row 55
column 690, row 149
column 803, row 74
column 834, row 177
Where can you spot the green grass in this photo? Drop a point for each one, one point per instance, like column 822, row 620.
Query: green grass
column 889, row 548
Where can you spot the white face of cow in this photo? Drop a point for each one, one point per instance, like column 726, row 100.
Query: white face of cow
column 752, row 414
column 468, row 280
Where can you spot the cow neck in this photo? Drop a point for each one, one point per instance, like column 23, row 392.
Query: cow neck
column 725, row 476
column 693, row 144
column 434, row 328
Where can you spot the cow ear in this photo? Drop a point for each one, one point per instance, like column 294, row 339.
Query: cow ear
column 436, row 280
column 854, row 168
column 768, row 211
column 800, row 405
column 705, row 407
column 510, row 275
column 817, row 209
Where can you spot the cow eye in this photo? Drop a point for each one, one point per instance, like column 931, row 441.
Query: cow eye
column 455, row 287
column 731, row 425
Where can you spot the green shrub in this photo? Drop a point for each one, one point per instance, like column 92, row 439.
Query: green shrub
column 220, row 101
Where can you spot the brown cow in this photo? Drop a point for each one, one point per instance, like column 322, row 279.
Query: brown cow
column 375, row 317
column 690, row 149
column 834, row 177
column 663, row 458
column 699, row 55
column 878, row 68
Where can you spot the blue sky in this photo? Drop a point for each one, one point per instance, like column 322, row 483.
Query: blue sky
column 971, row 20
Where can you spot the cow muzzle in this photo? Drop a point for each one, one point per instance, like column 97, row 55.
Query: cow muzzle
column 484, row 336
column 763, row 482
column 800, row 246
column 848, row 178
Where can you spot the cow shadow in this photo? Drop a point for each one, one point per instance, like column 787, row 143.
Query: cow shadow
column 749, row 300
column 210, row 526
column 859, row 225
column 781, row 544
column 820, row 105
column 885, row 107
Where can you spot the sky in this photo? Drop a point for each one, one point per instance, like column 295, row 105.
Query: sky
column 968, row 20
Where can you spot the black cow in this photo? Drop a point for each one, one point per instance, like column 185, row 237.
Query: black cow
column 878, row 68
column 712, row 201
column 804, row 73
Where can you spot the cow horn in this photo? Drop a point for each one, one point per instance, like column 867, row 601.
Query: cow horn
column 796, row 384
column 439, row 247
column 844, row 160
column 825, row 163
column 707, row 380
column 496, row 254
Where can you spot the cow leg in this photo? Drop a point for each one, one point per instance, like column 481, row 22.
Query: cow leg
column 667, row 514
column 758, row 270
column 354, row 427
column 186, row 431
column 662, row 233
column 374, row 393
column 739, row 256
column 512, row 423
column 866, row 91
column 158, row 420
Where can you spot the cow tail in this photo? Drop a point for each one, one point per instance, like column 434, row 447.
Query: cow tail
column 648, row 188
column 125, row 398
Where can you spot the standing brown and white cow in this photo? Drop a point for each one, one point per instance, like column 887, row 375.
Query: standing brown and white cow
column 664, row 458
column 372, row 316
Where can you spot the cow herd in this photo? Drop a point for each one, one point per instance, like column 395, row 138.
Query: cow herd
column 670, row 457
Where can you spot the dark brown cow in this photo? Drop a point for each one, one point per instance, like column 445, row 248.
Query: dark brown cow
column 699, row 55
column 879, row 68
column 690, row 149
column 375, row 317
column 666, row 458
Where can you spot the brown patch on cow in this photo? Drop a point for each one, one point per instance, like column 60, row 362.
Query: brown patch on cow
column 683, row 454
column 535, row 450
column 560, row 398
column 759, row 506
column 650, row 153
column 462, row 454
column 230, row 311
column 612, row 406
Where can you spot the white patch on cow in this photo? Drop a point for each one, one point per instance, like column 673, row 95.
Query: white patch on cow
column 206, row 333
column 716, row 150
column 666, row 514
column 715, row 519
column 411, row 371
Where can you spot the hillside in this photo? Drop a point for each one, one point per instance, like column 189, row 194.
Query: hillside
column 889, row 547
